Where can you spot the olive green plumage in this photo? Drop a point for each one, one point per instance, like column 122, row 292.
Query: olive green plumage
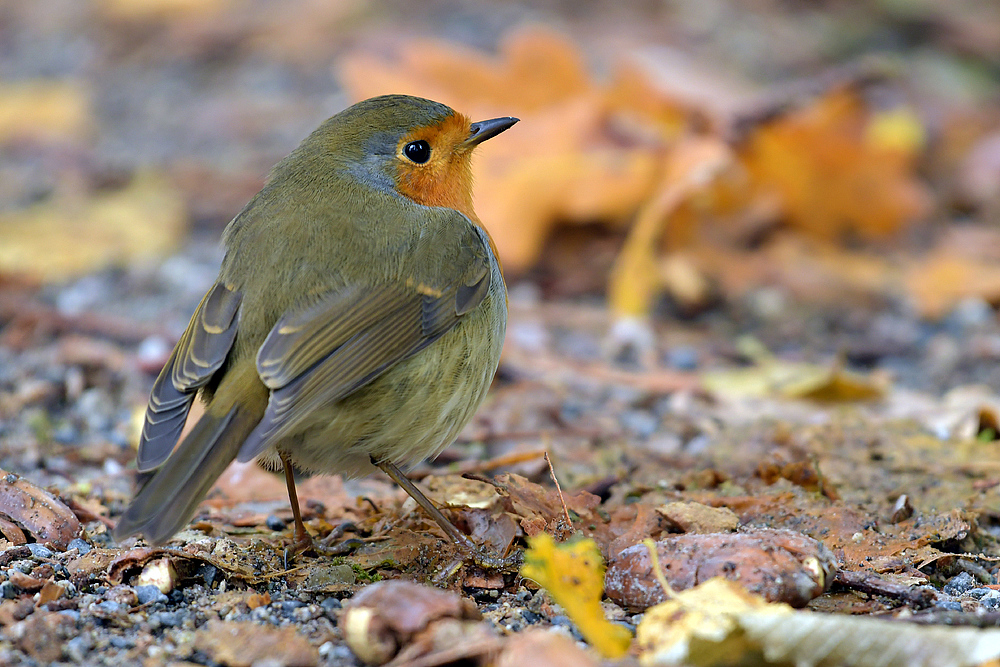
column 349, row 320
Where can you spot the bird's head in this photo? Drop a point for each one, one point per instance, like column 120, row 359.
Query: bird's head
column 414, row 146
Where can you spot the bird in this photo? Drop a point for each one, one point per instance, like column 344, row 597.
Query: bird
column 356, row 323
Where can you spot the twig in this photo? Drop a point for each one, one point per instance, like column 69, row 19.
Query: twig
column 569, row 521
column 919, row 598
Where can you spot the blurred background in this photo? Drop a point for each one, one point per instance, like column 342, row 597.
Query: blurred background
column 823, row 175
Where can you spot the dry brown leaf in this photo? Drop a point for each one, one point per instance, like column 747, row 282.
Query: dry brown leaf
column 37, row 511
column 692, row 517
column 535, row 646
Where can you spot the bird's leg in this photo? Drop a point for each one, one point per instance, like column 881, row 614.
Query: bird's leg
column 302, row 538
column 482, row 559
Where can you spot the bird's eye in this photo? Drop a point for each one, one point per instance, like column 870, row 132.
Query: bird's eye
column 418, row 151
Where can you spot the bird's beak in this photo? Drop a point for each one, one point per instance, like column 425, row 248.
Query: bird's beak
column 484, row 129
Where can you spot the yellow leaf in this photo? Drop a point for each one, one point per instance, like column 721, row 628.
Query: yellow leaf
column 700, row 626
column 896, row 129
column 573, row 574
column 50, row 110
column 72, row 235
column 692, row 166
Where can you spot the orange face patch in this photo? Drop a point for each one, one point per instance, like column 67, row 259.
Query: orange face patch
column 446, row 178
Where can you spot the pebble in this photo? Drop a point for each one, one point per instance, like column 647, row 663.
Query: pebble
column 978, row 593
column 682, row 357
column 169, row 619
column 8, row 591
column 38, row 551
column 991, row 603
column 112, row 607
column 960, row 584
column 23, row 566
column 639, row 422
column 80, row 545
column 303, row 614
column 275, row 522
column 149, row 594
column 331, row 604
column 948, row 605
column 78, row 647
column 563, row 621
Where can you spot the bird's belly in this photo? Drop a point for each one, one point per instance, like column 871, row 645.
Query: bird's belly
column 415, row 409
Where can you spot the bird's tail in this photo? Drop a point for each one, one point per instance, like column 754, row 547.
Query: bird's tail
column 170, row 497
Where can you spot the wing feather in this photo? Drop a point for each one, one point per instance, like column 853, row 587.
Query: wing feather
column 199, row 353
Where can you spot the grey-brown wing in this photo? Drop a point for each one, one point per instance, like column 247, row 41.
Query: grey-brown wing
column 199, row 353
column 325, row 350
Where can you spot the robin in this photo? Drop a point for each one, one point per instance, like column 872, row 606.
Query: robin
column 357, row 319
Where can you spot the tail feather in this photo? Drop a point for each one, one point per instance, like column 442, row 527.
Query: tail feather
column 171, row 495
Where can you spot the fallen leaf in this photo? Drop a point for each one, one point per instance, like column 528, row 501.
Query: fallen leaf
column 838, row 168
column 70, row 236
column 573, row 574
column 37, row 511
column 699, row 626
column 719, row 623
column 44, row 110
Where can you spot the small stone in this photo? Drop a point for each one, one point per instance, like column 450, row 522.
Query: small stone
column 959, row 584
column 148, row 594
column 77, row 648
column 948, row 605
column 990, row 603
column 289, row 605
column 8, row 591
column 683, row 358
column 275, row 522
column 111, row 607
column 38, row 551
column 23, row 566
column 80, row 545
column 331, row 604
column 978, row 593
column 170, row 619
column 639, row 422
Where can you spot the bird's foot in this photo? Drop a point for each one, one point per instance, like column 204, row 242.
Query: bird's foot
column 510, row 563
column 303, row 542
